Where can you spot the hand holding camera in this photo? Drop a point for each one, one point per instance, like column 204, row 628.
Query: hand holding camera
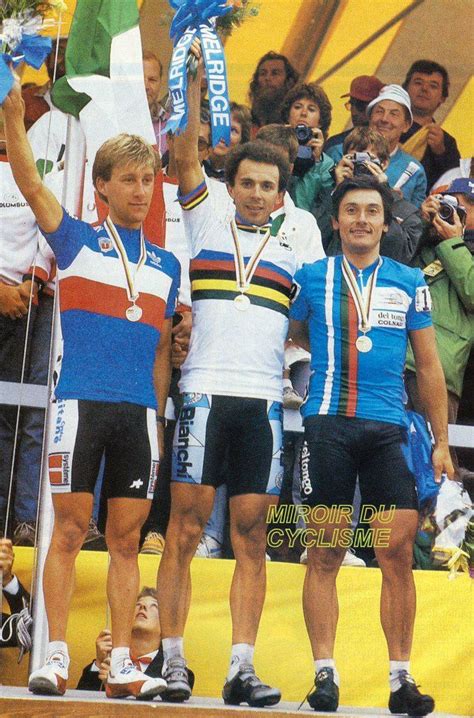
column 311, row 141
column 446, row 216
column 356, row 164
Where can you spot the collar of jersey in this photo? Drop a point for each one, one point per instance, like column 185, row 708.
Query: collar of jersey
column 245, row 227
column 367, row 271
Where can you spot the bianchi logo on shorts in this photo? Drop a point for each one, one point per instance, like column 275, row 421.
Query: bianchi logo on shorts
column 191, row 399
column 306, row 487
column 59, row 469
column 186, row 421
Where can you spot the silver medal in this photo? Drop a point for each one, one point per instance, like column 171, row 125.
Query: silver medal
column 241, row 302
column 363, row 344
column 134, row 313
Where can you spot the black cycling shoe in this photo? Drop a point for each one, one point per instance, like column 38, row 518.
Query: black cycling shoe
column 408, row 698
column 246, row 687
column 326, row 695
column 177, row 677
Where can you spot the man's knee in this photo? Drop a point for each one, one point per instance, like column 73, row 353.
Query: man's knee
column 325, row 561
column 68, row 536
column 124, row 546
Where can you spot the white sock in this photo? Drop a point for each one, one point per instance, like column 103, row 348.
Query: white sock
column 172, row 647
column 327, row 663
column 395, row 668
column 241, row 653
column 287, row 382
column 61, row 646
column 118, row 656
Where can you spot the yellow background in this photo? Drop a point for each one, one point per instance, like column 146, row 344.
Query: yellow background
column 442, row 654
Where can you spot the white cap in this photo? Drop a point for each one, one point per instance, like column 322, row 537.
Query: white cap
column 396, row 93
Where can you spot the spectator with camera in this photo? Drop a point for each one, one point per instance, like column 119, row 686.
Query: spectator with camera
column 366, row 152
column 307, row 109
column 447, row 261
column 363, row 90
column 274, row 76
column 427, row 83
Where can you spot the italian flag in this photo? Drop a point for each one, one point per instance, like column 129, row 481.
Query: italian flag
column 103, row 86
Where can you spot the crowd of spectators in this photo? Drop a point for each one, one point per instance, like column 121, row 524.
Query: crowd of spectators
column 394, row 137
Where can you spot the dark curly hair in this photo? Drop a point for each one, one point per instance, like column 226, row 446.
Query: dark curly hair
column 292, row 75
column 316, row 94
column 258, row 151
column 363, row 182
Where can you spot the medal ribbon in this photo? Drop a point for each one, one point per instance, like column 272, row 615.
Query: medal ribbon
column 363, row 308
column 244, row 274
column 130, row 276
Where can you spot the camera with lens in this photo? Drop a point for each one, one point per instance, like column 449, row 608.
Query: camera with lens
column 303, row 134
column 448, row 205
column 361, row 161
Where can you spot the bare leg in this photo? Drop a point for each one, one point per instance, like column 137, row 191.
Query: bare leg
column 71, row 521
column 398, row 597
column 320, row 604
column 191, row 507
column 248, row 533
column 125, row 517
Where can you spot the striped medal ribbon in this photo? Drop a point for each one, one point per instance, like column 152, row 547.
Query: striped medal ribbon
column 363, row 307
column 133, row 313
column 244, row 274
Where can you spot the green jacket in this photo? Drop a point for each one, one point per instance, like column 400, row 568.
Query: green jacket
column 451, row 286
column 312, row 192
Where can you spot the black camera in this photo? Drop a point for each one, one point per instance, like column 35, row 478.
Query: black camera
column 448, row 205
column 361, row 160
column 303, row 134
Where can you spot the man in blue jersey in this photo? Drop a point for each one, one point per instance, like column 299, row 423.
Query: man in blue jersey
column 355, row 313
column 117, row 297
column 241, row 273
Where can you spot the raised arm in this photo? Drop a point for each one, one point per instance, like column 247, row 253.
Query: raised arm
column 46, row 208
column 190, row 174
column 432, row 389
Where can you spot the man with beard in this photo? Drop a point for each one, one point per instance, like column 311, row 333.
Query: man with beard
column 272, row 79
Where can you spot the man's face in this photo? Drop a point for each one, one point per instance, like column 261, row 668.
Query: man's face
column 146, row 618
column 272, row 75
column 304, row 112
column 388, row 118
column 426, row 92
column 129, row 192
column 360, row 221
column 152, row 77
column 468, row 205
column 255, row 191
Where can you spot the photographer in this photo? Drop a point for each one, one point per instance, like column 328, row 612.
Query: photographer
column 366, row 153
column 307, row 109
column 446, row 259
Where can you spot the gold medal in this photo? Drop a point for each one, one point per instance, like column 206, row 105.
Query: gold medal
column 134, row 313
column 241, row 302
column 363, row 344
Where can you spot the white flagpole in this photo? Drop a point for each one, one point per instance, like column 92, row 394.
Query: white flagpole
column 72, row 200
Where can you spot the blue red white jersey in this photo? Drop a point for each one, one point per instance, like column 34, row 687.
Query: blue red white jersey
column 232, row 352
column 344, row 381
column 106, row 357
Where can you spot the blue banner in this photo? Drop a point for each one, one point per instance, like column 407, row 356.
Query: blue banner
column 33, row 50
column 196, row 18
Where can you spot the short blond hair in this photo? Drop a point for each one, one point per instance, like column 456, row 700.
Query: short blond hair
column 121, row 150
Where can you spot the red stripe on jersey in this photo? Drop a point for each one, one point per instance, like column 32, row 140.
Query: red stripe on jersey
column 352, row 322
column 86, row 295
column 228, row 266
column 55, row 461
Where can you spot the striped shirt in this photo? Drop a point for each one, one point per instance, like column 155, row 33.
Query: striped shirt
column 106, row 357
column 344, row 381
column 232, row 352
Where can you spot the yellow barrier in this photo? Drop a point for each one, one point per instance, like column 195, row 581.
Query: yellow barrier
column 441, row 660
